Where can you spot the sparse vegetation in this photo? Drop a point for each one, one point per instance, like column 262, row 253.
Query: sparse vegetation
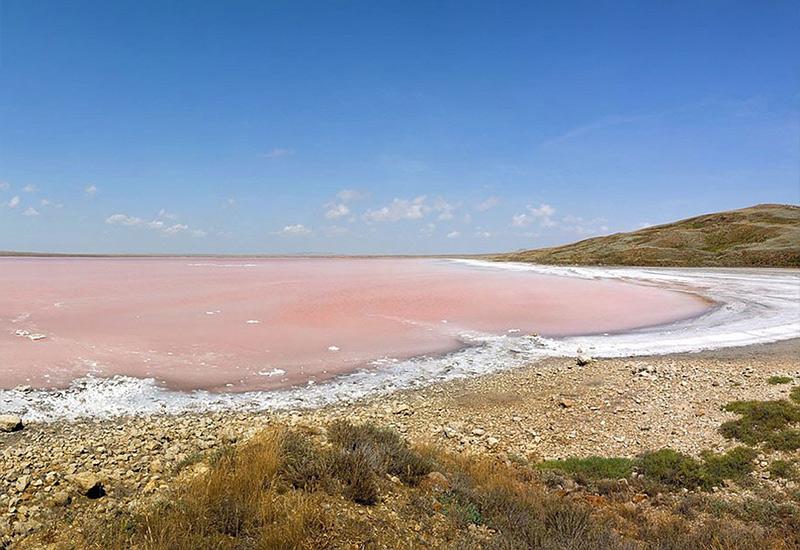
column 665, row 467
column 300, row 489
column 592, row 468
column 768, row 422
column 783, row 469
column 762, row 235
column 777, row 380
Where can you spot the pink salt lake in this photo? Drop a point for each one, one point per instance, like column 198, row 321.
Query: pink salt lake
column 226, row 324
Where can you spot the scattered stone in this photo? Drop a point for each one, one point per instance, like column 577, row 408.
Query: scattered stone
column 89, row 484
column 23, row 482
column 61, row 498
column 583, row 360
column 10, row 423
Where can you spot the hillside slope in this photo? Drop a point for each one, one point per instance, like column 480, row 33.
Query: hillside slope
column 766, row 235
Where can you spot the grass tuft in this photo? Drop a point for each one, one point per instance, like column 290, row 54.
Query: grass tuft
column 764, row 421
column 776, row 380
column 592, row 468
column 783, row 469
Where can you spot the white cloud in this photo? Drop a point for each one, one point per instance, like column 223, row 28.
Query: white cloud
column 166, row 215
column 541, row 214
column 30, row 188
column 644, row 225
column 487, row 204
column 428, row 229
column 296, row 229
column 399, row 209
column 90, row 190
column 453, row 235
column 177, row 228
column 348, row 195
column 230, row 202
column 123, row 219
column 483, row 234
column 336, row 210
column 14, row 202
column 4, row 186
column 445, row 209
column 278, row 152
column 30, row 212
column 155, row 224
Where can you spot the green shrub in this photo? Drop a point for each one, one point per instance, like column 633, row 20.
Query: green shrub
column 736, row 464
column 382, row 449
column 794, row 395
column 763, row 421
column 673, row 469
column 783, row 469
column 775, row 380
column 591, row 468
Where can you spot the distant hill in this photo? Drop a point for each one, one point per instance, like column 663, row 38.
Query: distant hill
column 766, row 235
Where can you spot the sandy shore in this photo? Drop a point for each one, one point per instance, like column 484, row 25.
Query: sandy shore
column 551, row 408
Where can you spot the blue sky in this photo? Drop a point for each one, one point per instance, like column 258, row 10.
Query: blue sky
column 386, row 127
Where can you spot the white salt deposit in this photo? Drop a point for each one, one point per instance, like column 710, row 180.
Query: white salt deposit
column 753, row 306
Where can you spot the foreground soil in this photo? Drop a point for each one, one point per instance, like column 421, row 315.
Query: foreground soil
column 550, row 409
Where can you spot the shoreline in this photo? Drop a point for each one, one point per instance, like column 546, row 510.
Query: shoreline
column 547, row 409
column 754, row 307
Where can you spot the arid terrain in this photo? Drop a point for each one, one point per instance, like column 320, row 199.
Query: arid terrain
column 469, row 433
column 758, row 236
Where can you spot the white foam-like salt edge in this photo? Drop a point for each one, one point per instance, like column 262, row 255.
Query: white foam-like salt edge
column 754, row 306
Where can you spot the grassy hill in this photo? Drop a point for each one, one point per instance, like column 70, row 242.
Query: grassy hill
column 766, row 235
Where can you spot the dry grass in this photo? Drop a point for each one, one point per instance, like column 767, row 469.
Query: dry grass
column 300, row 489
column 759, row 236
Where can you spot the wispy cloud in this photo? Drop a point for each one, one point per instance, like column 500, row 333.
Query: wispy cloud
column 30, row 188
column 411, row 209
column 349, row 195
column 4, row 186
column 340, row 207
column 157, row 224
column 31, row 212
column 14, row 202
column 295, row 229
column 487, row 204
column 90, row 190
column 542, row 214
column 336, row 210
column 278, row 152
column 399, row 209
column 453, row 235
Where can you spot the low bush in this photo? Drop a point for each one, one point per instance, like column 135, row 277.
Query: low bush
column 592, row 468
column 764, row 421
column 776, row 380
column 782, row 469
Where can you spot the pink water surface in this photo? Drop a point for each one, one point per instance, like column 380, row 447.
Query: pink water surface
column 184, row 321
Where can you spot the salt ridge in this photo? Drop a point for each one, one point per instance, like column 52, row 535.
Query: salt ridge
column 753, row 306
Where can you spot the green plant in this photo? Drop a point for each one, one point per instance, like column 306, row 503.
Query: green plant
column 591, row 468
column 775, row 380
column 673, row 469
column 764, row 421
column 783, row 469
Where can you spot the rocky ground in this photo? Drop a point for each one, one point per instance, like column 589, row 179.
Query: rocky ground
column 88, row 471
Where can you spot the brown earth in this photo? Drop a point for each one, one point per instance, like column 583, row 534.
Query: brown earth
column 548, row 409
column 766, row 235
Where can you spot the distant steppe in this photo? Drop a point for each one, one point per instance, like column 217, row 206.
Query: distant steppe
column 766, row 235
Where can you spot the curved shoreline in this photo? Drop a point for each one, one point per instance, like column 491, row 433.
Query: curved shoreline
column 756, row 307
